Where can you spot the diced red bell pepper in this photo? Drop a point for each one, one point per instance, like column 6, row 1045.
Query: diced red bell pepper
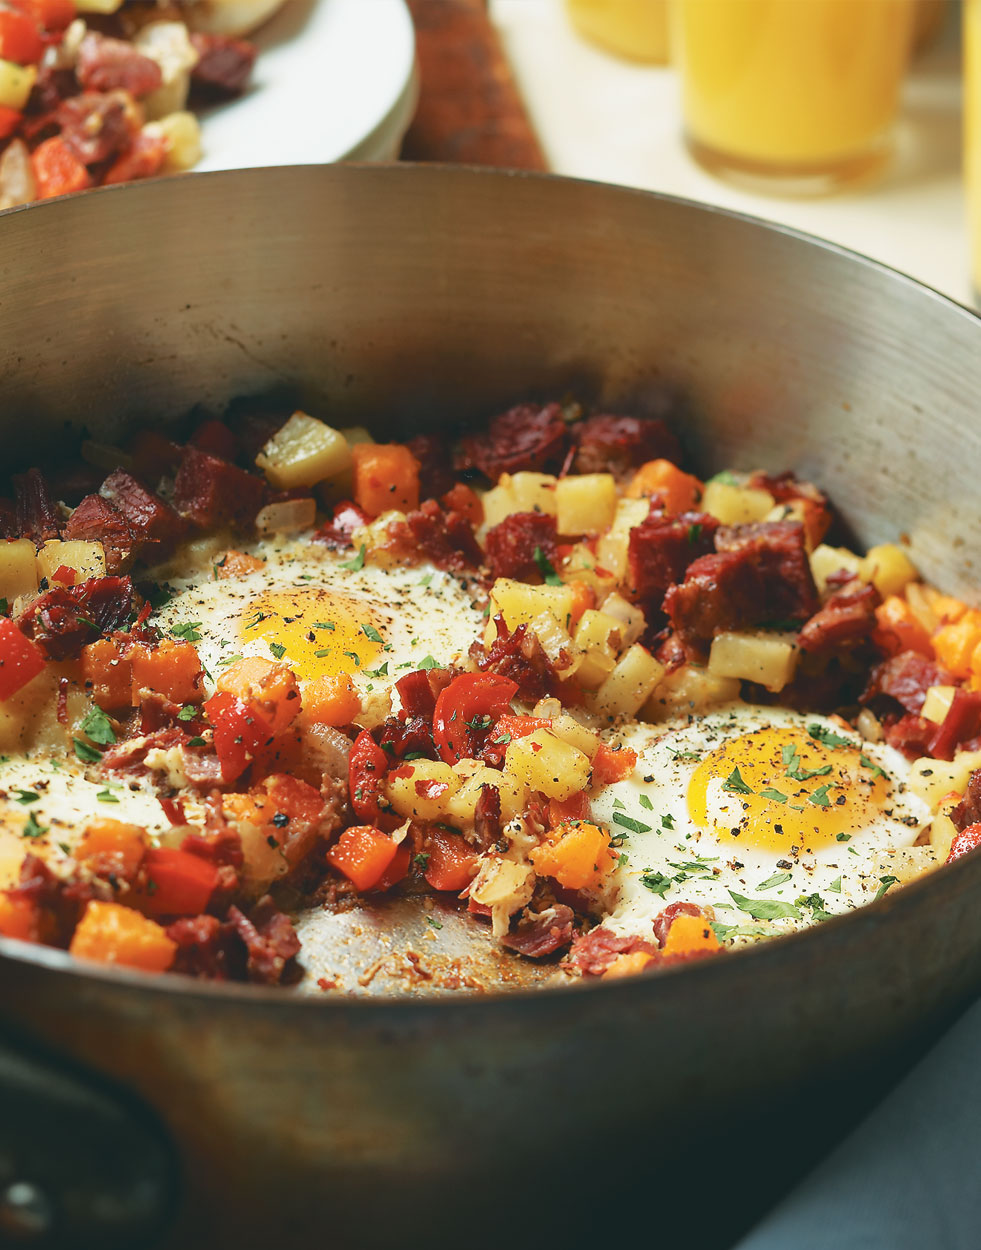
column 363, row 854
column 610, row 765
column 520, row 726
column 56, row 170
column 367, row 766
column 20, row 41
column 574, row 808
column 179, row 883
column 9, row 121
column 467, row 710
column 968, row 839
column 142, row 159
column 239, row 732
column 48, row 14
column 397, row 870
column 20, row 659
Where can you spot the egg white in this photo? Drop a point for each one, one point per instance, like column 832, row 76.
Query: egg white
column 648, row 814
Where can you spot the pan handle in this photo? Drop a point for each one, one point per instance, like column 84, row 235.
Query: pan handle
column 81, row 1164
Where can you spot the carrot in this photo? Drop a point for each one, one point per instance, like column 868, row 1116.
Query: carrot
column 113, row 934
column 18, row 918
column 956, row 643
column 463, row 498
column 628, row 965
column 577, row 855
column 452, row 864
column 899, row 629
column 584, row 597
column 610, row 765
column 107, row 674
column 269, row 686
column 386, row 476
column 171, row 669
column 237, row 564
column 679, row 492
column 690, row 933
column 56, row 170
column 330, row 701
column 362, row 853
column 115, row 846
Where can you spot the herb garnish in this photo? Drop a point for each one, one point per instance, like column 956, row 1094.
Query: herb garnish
column 188, row 630
column 765, row 908
column 628, row 822
column 734, row 783
column 97, row 726
column 549, row 575
column 356, row 564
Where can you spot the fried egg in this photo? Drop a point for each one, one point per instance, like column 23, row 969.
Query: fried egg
column 324, row 614
column 770, row 817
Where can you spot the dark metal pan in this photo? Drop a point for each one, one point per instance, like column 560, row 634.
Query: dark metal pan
column 394, row 296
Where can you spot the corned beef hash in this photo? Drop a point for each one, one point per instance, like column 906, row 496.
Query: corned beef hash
column 543, row 674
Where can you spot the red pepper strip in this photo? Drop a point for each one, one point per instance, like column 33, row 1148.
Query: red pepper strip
column 20, row 659
column 466, row 710
column 239, row 732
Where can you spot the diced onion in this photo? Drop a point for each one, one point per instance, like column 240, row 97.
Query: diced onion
column 286, row 517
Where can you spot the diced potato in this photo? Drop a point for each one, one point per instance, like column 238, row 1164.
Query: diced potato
column 769, row 659
column 937, row 703
column 689, row 689
column 519, row 603
column 355, row 434
column 595, row 668
column 564, row 655
column 611, row 550
column 799, row 510
column 577, row 735
column 182, row 133
column 169, row 45
column 735, row 505
column 630, row 684
column 426, row 794
column 86, row 559
column 303, row 453
column 16, row 82
column 286, row 517
column 542, row 761
column 586, row 503
column 888, row 568
column 29, row 718
column 582, row 565
column 192, row 554
column 473, row 777
column 599, row 631
column 18, row 568
column 534, row 492
column 827, row 560
column 631, row 618
column 931, row 779
column 943, row 830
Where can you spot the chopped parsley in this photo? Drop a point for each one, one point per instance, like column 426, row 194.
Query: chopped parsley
column 725, row 478
column 628, row 822
column 656, row 882
column 843, row 837
column 424, row 581
column 684, row 755
column 695, row 532
column 87, row 754
column 431, row 920
column 646, row 803
column 427, row 662
column 32, row 829
column 381, row 671
column 322, row 652
column 325, row 625
column 885, row 883
column 820, row 796
column 369, row 631
column 277, row 649
column 188, row 630
column 226, row 660
column 549, row 575
column 827, row 738
column 106, row 796
column 815, row 905
column 723, row 931
column 421, row 860
column 356, row 564
column 734, row 783
column 835, row 886
column 188, row 712
column 98, row 727
column 775, row 795
column 667, row 821
column 771, row 883
column 876, row 770
column 26, row 796
column 353, row 655
column 765, row 908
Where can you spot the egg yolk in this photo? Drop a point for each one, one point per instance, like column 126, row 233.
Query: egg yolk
column 785, row 791
column 316, row 632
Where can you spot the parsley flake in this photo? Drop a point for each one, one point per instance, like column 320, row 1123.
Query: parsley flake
column 820, row 796
column 188, row 630
column 876, row 770
column 827, row 738
column 97, row 726
column 277, row 649
column 628, row 822
column 734, row 783
column 765, row 908
column 106, row 796
column 369, row 631
column 427, row 662
column 26, row 796
column 886, row 882
column 771, row 883
column 656, row 882
column 32, row 829
column 549, row 575
column 87, row 754
column 646, row 803
column 357, row 563
column 188, row 712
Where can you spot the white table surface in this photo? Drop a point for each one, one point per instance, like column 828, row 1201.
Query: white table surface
column 602, row 118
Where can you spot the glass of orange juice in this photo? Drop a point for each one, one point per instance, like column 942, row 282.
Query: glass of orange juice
column 636, row 29
column 795, row 96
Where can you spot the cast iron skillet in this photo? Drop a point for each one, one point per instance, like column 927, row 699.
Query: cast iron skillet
column 405, row 296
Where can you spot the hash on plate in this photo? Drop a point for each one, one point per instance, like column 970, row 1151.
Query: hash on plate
column 96, row 92
column 623, row 716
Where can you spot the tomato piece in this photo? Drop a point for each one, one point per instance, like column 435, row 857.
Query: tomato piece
column 179, row 883
column 20, row 41
column 968, row 839
column 610, row 765
column 452, row 863
column 466, row 712
column 363, row 854
column 20, row 659
column 367, row 766
column 239, row 732
column 561, row 810
column 9, row 121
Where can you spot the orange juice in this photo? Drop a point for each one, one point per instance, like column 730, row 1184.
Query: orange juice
column 637, row 29
column 803, row 89
column 972, row 132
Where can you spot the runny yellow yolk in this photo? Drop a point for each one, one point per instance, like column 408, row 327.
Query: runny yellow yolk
column 320, row 631
column 777, row 790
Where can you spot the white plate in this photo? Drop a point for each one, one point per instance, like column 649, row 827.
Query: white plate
column 334, row 80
